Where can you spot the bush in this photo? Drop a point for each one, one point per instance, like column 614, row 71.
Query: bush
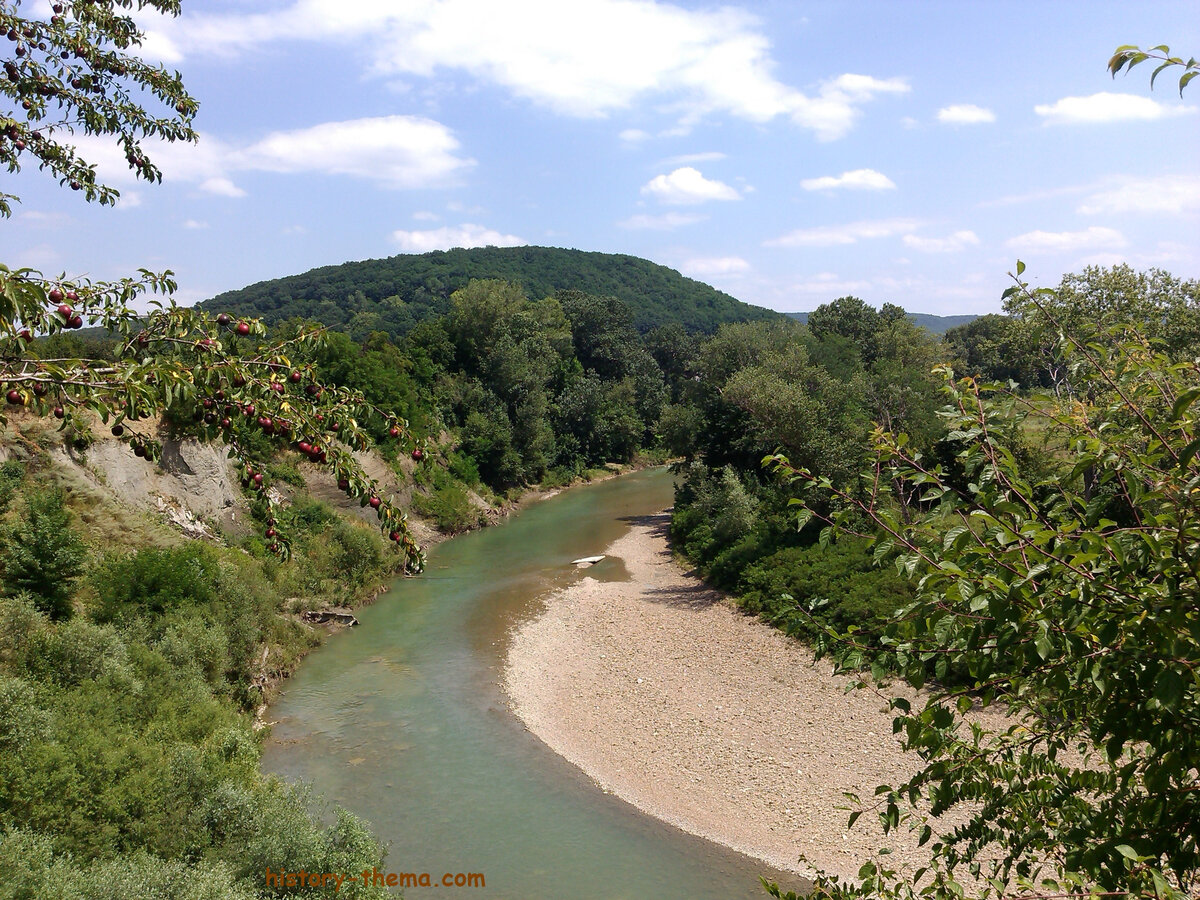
column 854, row 590
column 450, row 507
column 154, row 582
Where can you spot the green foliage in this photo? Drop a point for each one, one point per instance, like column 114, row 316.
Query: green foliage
column 1128, row 56
column 1066, row 597
column 420, row 286
column 12, row 473
column 132, row 759
column 41, row 554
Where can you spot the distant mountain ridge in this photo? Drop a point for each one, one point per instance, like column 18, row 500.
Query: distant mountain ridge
column 397, row 293
column 933, row 324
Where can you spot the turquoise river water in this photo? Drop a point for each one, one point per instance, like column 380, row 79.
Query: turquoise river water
column 403, row 722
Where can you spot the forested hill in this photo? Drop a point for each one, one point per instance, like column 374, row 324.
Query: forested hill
column 931, row 323
column 394, row 294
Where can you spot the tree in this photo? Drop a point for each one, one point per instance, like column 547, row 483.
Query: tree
column 79, row 71
column 1070, row 599
column 42, row 554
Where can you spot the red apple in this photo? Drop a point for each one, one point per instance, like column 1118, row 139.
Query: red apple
column 55, row 295
column 76, row 321
column 118, row 430
column 15, row 398
column 374, row 502
column 59, row 412
column 394, row 431
column 223, row 319
column 243, row 328
column 294, row 378
column 65, row 310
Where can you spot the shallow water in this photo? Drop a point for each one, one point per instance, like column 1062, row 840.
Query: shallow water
column 402, row 721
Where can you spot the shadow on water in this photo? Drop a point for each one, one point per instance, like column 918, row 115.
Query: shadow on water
column 403, row 722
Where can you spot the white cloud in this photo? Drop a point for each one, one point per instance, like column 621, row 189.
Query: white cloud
column 1164, row 194
column 856, row 180
column 424, row 215
column 583, row 58
column 965, row 114
column 465, row 235
column 221, row 185
column 685, row 159
column 665, row 222
column 838, row 235
column 395, row 151
column 1107, row 107
column 960, row 240
column 1094, row 238
column 686, row 186
column 833, row 111
column 36, row 218
column 195, row 225
column 399, row 151
column 633, row 135
column 717, row 265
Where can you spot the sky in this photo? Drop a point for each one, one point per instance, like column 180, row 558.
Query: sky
column 788, row 153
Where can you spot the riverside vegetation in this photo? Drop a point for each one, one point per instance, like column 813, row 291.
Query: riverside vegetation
column 130, row 658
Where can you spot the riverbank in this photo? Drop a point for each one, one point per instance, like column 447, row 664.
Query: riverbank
column 706, row 718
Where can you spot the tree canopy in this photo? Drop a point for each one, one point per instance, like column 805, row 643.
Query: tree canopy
column 396, row 294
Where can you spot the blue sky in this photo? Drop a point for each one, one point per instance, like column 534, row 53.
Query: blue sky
column 786, row 152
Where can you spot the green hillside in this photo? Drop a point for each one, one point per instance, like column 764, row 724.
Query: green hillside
column 394, row 294
column 931, row 323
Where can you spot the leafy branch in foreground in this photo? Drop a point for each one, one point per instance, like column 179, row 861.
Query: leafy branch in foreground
column 1063, row 588
column 80, row 71
column 1128, row 56
column 213, row 377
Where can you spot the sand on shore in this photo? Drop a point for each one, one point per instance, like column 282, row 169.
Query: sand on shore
column 672, row 699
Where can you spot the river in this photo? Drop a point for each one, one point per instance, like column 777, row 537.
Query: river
column 402, row 721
